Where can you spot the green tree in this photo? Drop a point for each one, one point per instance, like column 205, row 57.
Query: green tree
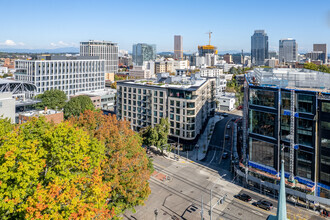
column 52, row 99
column 162, row 129
column 78, row 105
column 113, row 85
column 42, row 165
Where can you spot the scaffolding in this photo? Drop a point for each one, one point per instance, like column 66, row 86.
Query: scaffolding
column 292, row 129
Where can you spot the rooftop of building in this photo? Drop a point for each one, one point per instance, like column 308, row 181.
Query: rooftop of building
column 165, row 80
column 290, row 78
column 102, row 92
column 39, row 112
column 98, row 42
column 61, row 57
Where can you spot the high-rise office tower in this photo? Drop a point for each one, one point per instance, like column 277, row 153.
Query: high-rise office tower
column 288, row 50
column 178, row 51
column 323, row 48
column 259, row 47
column 143, row 52
column 105, row 50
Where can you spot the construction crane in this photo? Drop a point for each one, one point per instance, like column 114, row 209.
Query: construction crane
column 209, row 33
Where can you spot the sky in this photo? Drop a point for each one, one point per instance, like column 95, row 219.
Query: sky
column 51, row 24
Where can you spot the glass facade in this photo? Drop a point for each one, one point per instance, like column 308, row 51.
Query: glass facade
column 143, row 52
column 262, row 97
column 324, row 173
column 262, row 152
column 267, row 126
column 305, row 132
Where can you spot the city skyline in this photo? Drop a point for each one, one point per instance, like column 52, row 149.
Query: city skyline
column 62, row 24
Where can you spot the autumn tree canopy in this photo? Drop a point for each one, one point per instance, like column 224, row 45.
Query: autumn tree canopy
column 91, row 167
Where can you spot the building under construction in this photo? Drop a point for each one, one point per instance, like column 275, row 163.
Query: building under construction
column 203, row 50
column 288, row 109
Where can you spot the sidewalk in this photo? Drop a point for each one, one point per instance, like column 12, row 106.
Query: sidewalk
column 205, row 138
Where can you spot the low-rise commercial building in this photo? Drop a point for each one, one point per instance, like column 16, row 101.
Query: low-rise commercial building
column 187, row 102
column 7, row 106
column 50, row 115
column 226, row 101
column 102, row 99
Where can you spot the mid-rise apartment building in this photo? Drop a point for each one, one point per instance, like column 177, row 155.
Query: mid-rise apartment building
column 187, row 102
column 105, row 50
column 289, row 109
column 69, row 74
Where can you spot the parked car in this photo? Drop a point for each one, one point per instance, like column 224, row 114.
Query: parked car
column 233, row 119
column 226, row 136
column 264, row 204
column 225, row 155
column 228, row 126
column 225, row 115
column 244, row 197
column 240, row 107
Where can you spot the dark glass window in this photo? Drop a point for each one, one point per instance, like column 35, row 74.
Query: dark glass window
column 326, row 107
column 262, row 97
column 304, row 168
column 262, row 152
column 285, row 127
column 263, row 123
column 190, row 105
column 325, row 161
column 305, row 103
column 304, row 132
column 286, row 100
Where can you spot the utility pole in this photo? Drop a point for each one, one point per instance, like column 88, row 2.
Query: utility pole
column 211, row 207
column 202, row 209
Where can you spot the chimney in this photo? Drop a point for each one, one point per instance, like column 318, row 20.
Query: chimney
column 45, row 110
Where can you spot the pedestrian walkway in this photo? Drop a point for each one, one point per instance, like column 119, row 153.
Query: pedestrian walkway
column 205, row 138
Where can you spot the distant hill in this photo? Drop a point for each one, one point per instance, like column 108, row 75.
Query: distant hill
column 165, row 53
column 56, row 50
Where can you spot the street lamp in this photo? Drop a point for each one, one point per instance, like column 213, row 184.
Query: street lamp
column 211, row 208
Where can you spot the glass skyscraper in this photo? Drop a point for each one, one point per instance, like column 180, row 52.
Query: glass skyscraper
column 143, row 52
column 259, row 47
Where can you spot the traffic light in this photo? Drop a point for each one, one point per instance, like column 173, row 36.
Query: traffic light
column 209, row 212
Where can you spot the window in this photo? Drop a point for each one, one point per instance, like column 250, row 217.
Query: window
column 155, row 113
column 190, row 105
column 262, row 152
column 262, row 97
column 155, row 93
column 178, row 110
column 190, row 112
column 263, row 123
column 172, row 102
column 285, row 127
column 161, row 101
column 325, row 161
column 304, row 166
column 172, row 116
column 161, row 94
column 177, row 103
column 178, row 118
column 286, row 100
column 326, row 107
column 304, row 132
column 305, row 103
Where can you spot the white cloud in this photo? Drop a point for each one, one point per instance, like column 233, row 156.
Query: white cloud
column 8, row 43
column 63, row 44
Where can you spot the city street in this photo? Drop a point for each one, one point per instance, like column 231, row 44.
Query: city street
column 179, row 186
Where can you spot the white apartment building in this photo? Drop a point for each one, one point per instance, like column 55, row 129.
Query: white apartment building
column 180, row 64
column 216, row 73
column 105, row 50
column 7, row 106
column 187, row 102
column 69, row 74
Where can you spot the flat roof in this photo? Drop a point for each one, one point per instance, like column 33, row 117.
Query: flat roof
column 290, row 78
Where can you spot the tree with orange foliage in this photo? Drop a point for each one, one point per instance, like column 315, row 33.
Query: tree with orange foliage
column 126, row 165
